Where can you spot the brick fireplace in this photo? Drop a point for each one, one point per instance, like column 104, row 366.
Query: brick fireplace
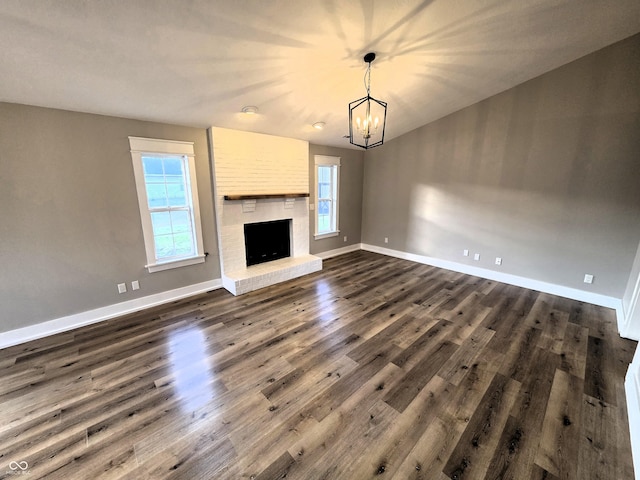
column 260, row 178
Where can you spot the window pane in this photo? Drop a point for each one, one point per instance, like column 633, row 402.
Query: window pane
column 161, row 223
column 173, row 234
column 164, row 246
column 324, row 207
column 156, row 195
column 177, row 195
column 152, row 166
column 323, row 174
column 325, row 216
column 173, row 167
column 183, row 243
column 324, row 224
column 180, row 221
column 178, row 245
column 324, row 190
column 153, row 171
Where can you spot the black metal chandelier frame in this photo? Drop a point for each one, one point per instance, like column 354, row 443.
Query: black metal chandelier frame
column 362, row 137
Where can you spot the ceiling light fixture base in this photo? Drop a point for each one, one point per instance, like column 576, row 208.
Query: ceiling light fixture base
column 250, row 110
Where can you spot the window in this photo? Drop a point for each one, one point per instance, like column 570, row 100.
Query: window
column 326, row 189
column 168, row 200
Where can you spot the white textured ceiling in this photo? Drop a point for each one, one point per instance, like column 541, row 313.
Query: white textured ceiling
column 198, row 63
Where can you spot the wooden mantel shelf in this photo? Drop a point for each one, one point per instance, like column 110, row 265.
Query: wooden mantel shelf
column 260, row 196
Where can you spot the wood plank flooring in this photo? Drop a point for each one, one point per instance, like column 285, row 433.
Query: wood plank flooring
column 374, row 367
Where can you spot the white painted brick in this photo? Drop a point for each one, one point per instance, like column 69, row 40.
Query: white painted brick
column 251, row 163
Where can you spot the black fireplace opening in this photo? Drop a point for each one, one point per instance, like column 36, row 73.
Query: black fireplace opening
column 267, row 241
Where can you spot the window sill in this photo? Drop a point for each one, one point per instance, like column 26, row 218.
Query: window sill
column 320, row 236
column 158, row 267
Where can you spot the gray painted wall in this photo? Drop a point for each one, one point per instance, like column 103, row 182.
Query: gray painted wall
column 71, row 226
column 545, row 175
column 350, row 198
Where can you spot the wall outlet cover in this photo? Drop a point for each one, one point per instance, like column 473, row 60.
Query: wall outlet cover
column 476, row 257
column 588, row 278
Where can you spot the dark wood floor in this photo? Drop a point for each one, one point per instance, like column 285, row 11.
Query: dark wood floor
column 373, row 368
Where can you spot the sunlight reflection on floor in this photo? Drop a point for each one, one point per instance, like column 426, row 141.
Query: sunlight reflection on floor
column 190, row 367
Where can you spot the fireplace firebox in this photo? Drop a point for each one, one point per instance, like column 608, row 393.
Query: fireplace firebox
column 267, row 241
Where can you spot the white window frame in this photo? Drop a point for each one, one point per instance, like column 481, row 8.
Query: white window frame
column 150, row 146
column 324, row 161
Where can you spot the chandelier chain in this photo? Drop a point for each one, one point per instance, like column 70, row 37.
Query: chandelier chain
column 367, row 79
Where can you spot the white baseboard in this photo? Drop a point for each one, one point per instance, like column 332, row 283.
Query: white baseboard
column 553, row 289
column 64, row 324
column 632, row 394
column 339, row 251
column 630, row 328
column 624, row 327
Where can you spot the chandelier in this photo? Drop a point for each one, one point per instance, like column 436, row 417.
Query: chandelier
column 367, row 116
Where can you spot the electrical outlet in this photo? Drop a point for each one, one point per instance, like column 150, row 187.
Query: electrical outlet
column 345, row 238
column 386, row 239
column 588, row 278
column 122, row 288
column 135, row 285
column 312, row 206
column 498, row 261
column 476, row 257
column 465, row 252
